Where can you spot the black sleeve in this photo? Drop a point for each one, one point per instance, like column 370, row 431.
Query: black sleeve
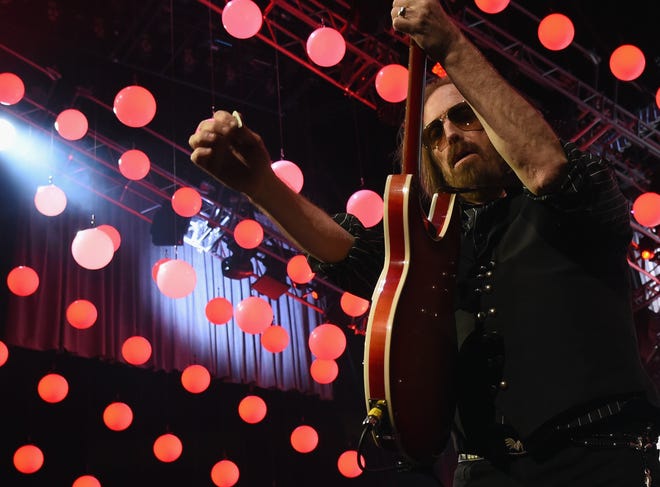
column 359, row 271
column 590, row 190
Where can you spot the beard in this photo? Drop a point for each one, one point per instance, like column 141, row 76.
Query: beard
column 485, row 171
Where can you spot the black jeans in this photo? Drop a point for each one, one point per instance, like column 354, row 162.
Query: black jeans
column 572, row 466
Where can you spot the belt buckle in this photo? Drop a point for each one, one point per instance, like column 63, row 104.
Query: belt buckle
column 468, row 457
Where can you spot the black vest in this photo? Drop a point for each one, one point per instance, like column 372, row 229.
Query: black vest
column 549, row 298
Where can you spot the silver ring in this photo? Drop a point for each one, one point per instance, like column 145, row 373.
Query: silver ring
column 401, row 12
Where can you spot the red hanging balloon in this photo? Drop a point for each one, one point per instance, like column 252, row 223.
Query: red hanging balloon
column 134, row 164
column 275, row 339
column 289, row 173
column 646, row 209
column 195, row 379
column 242, row 18
column 348, row 464
column 156, row 266
column 53, row 388
column 50, row 200
column 4, row 353
column 248, row 233
column 28, row 459
column 353, row 305
column 113, row 233
column 657, row 98
column 118, row 416
column 627, row 62
column 168, row 448
column 219, row 310
column 22, row 280
column 134, row 106
column 71, row 124
column 186, row 202
column 252, row 409
column 86, row 481
column 12, row 89
column 298, row 269
column 253, row 315
column 392, row 83
column 81, row 314
column 367, row 206
column 491, row 6
column 556, row 32
column 225, row 473
column 176, row 278
column 304, row 439
column 136, row 350
column 326, row 46
column 92, row 249
column 324, row 371
column 327, row 341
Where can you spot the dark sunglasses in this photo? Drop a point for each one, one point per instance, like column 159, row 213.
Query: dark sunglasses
column 461, row 115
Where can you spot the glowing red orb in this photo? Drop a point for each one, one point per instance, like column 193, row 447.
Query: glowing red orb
column 168, row 448
column 392, row 83
column 242, row 18
column 49, row 200
column 348, row 464
column 136, row 350
column 327, row 341
column 491, row 6
column 289, row 173
column 53, row 388
column 134, row 106
column 28, row 459
column 134, row 164
column 117, row 416
column 367, row 206
column 646, row 209
column 248, row 233
column 156, row 266
column 275, row 339
column 252, row 409
column 219, row 310
column 556, row 32
column 253, row 315
column 324, row 371
column 304, row 439
column 195, row 378
column 225, row 473
column 71, row 124
column 326, row 46
column 186, row 202
column 22, row 280
column 353, row 305
column 81, row 314
column 4, row 353
column 657, row 98
column 92, row 249
column 113, row 233
column 627, row 62
column 12, row 89
column 86, row 481
column 176, row 278
column 298, row 269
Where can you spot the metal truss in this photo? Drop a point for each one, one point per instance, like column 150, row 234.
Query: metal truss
column 605, row 127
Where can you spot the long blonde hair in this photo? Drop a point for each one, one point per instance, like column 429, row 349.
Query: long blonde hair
column 430, row 177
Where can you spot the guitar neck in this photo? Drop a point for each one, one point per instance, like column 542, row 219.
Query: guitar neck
column 412, row 138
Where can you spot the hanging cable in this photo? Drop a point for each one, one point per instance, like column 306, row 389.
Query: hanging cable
column 279, row 102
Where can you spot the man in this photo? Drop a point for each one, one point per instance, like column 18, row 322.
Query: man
column 551, row 390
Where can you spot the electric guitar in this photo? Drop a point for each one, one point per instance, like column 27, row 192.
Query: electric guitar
column 410, row 346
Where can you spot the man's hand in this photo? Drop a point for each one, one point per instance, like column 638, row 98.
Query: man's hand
column 231, row 153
